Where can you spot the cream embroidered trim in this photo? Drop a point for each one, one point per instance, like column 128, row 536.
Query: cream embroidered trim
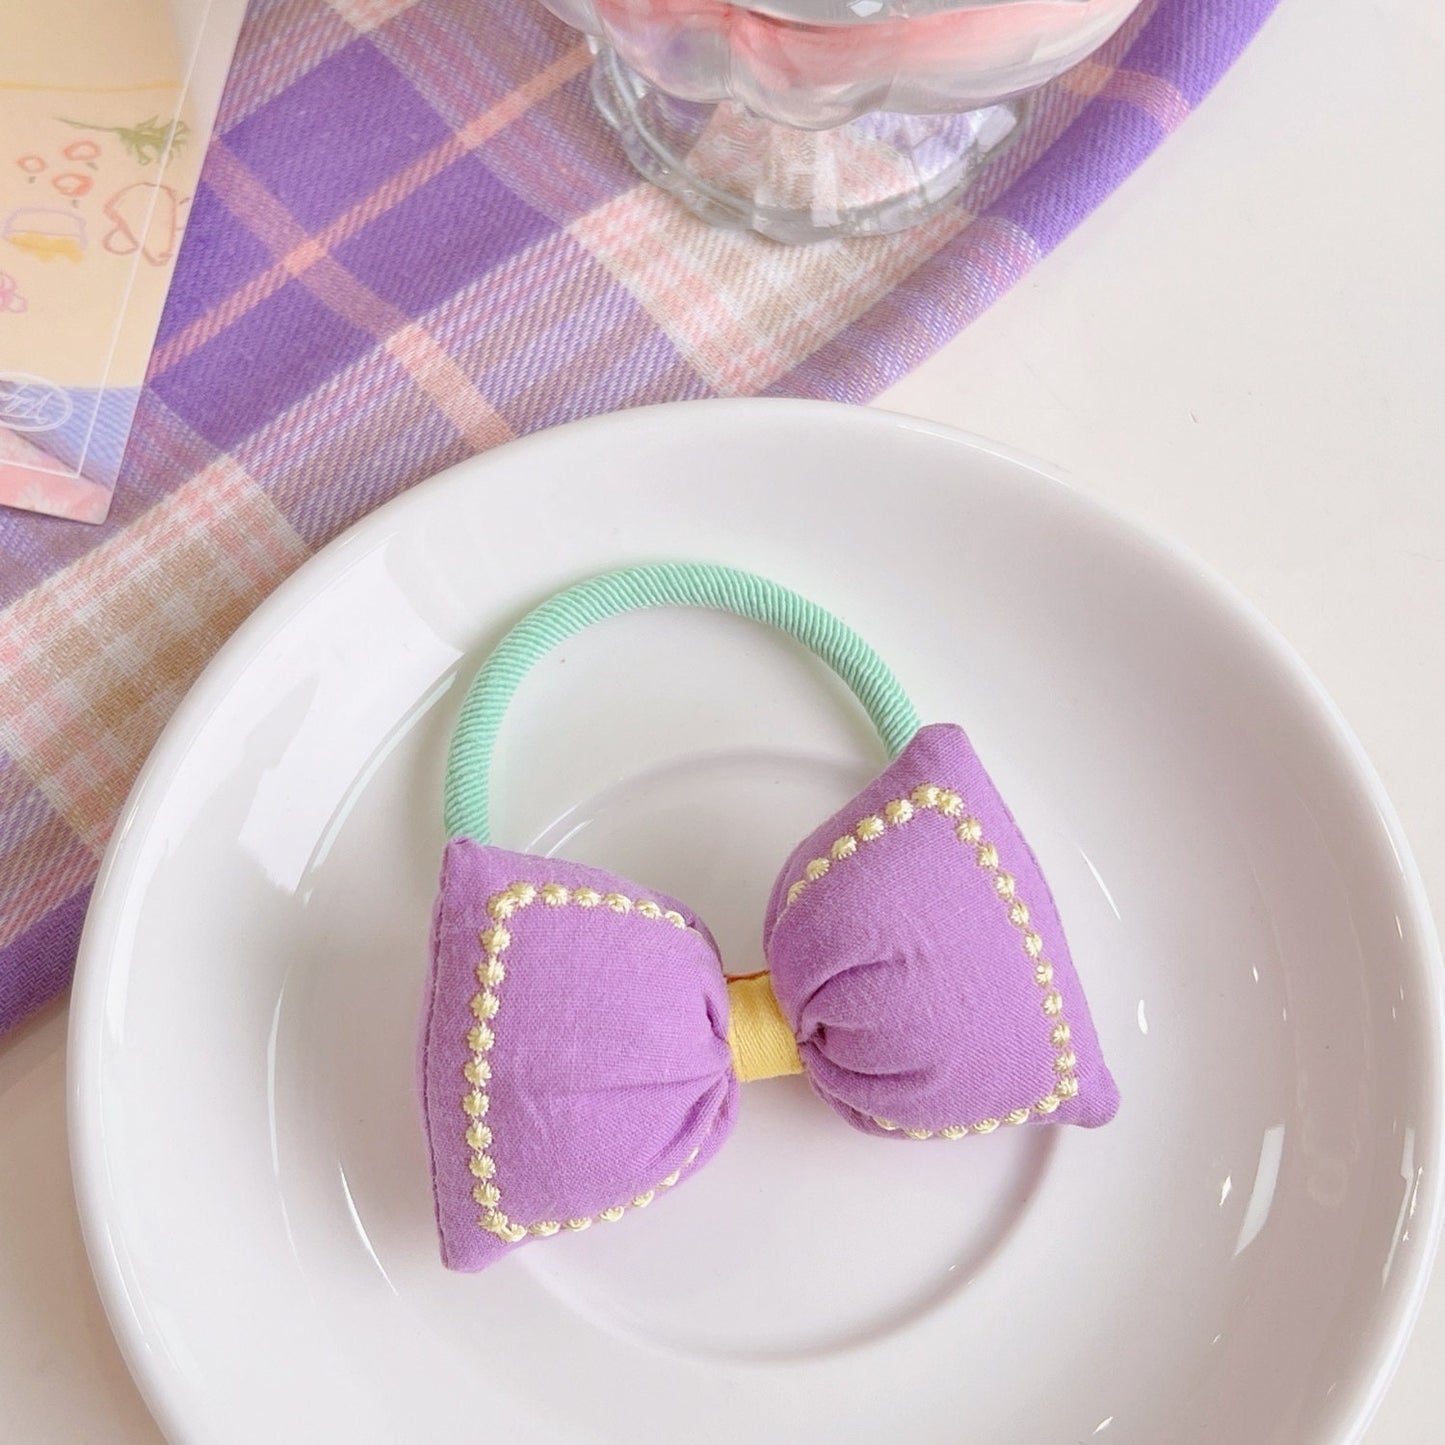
column 496, row 938
column 481, row 1038
column 969, row 832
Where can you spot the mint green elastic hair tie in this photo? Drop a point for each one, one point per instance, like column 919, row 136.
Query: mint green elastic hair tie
column 665, row 584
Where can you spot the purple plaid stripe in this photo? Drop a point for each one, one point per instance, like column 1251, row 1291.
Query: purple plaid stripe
column 368, row 423
column 283, row 40
column 390, row 264
column 37, row 963
column 558, row 158
column 42, row 862
column 321, row 145
column 596, row 351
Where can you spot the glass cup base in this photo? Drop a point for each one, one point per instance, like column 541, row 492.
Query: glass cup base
column 879, row 173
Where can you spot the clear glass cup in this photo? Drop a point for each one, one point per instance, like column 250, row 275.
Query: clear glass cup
column 804, row 119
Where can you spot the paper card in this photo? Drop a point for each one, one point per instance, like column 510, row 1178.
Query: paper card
column 102, row 131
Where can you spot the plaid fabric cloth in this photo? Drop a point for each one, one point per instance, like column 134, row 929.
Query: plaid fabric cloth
column 413, row 240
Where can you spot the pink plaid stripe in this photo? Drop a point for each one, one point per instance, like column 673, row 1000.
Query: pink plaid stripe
column 1150, row 93
column 367, row 15
column 281, row 43
column 298, row 253
column 93, row 661
column 42, row 862
column 741, row 319
column 433, row 370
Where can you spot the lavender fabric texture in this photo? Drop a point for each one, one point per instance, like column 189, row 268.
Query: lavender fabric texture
column 609, row 1065
column 925, row 974
column 574, row 1063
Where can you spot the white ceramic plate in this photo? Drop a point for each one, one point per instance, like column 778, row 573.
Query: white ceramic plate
column 1236, row 1259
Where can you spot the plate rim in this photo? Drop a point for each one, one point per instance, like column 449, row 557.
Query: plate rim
column 86, row 1033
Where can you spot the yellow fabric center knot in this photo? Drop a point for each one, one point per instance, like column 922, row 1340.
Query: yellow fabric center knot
column 762, row 1044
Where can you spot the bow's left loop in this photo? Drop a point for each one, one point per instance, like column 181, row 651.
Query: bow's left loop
column 574, row 1054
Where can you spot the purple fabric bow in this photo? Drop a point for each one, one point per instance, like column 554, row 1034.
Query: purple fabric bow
column 575, row 1059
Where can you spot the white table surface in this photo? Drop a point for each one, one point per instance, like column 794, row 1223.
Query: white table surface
column 1245, row 347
